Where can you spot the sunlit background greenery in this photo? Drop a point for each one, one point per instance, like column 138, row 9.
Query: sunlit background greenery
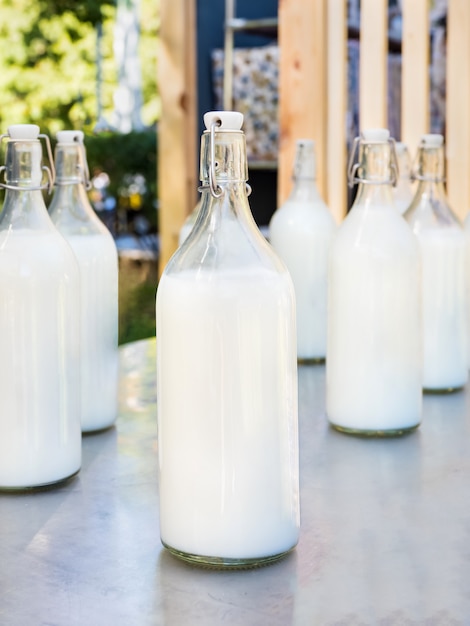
column 50, row 76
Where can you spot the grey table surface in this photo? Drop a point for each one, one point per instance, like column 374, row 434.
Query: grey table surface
column 385, row 535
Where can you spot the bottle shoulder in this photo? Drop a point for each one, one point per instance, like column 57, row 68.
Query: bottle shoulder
column 72, row 213
column 296, row 215
column 429, row 212
column 377, row 230
column 32, row 252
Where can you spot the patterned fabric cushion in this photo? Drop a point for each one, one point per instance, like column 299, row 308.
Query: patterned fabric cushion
column 255, row 94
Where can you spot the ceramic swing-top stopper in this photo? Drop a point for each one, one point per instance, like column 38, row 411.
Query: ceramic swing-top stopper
column 432, row 140
column 28, row 132
column 69, row 136
column 229, row 120
column 375, row 135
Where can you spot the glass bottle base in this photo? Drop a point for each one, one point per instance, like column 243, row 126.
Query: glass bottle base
column 314, row 360
column 443, row 390
column 97, row 431
column 41, row 487
column 369, row 433
column 221, row 563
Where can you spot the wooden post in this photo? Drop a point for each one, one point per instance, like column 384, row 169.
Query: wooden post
column 336, row 158
column 415, row 73
column 302, row 86
column 373, row 65
column 177, row 129
column 458, row 106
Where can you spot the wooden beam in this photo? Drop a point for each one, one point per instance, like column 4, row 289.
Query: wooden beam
column 458, row 106
column 373, row 65
column 336, row 159
column 177, row 129
column 302, row 86
column 415, row 72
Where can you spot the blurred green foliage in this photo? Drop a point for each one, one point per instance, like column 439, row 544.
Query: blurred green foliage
column 137, row 289
column 48, row 71
column 122, row 156
column 48, row 76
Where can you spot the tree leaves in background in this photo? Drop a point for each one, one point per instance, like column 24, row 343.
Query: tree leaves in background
column 48, row 62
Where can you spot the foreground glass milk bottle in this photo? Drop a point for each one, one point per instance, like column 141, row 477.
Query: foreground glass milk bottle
column 40, row 438
column 96, row 254
column 443, row 249
column 374, row 364
column 403, row 190
column 301, row 231
column 227, row 377
column 466, row 226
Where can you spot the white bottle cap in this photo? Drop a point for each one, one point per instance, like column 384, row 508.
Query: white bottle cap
column 23, row 131
column 432, row 140
column 375, row 134
column 306, row 142
column 229, row 120
column 69, row 136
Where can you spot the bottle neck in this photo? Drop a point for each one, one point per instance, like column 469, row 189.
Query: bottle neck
column 304, row 190
column 23, row 165
column 70, row 208
column 70, row 175
column 375, row 174
column 69, row 167
column 304, row 187
column 430, row 171
column 24, row 206
column 228, row 163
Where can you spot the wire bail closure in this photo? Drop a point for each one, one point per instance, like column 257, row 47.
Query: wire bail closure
column 50, row 172
column 353, row 167
column 216, row 190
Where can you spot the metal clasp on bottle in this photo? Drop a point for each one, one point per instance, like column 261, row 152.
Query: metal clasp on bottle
column 50, row 172
column 354, row 174
column 215, row 189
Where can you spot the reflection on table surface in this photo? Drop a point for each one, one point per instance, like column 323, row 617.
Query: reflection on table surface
column 385, row 529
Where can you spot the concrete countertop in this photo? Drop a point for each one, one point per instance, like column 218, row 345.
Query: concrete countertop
column 385, row 533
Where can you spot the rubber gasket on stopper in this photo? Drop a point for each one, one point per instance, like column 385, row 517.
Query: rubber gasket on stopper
column 376, row 134
column 432, row 140
column 23, row 131
column 69, row 136
column 229, row 120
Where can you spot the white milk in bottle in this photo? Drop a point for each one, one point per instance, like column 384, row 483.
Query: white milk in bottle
column 227, row 377
column 40, row 437
column 301, row 231
column 374, row 366
column 466, row 226
column 443, row 248
column 96, row 254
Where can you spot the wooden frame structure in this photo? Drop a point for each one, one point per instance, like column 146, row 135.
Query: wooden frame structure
column 313, row 96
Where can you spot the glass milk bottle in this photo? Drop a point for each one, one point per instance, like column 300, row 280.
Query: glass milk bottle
column 403, row 190
column 96, row 254
column 301, row 231
column 443, row 249
column 374, row 368
column 40, row 438
column 227, row 377
column 466, row 226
